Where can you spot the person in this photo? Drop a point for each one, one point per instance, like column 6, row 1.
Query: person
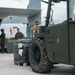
column 36, row 28
column 2, row 41
column 28, row 30
column 19, row 34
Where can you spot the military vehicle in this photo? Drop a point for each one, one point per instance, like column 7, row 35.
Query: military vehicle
column 55, row 43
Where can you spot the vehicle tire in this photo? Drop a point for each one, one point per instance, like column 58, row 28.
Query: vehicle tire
column 38, row 59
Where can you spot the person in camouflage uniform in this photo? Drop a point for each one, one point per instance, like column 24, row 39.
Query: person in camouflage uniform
column 36, row 28
column 19, row 34
column 2, row 41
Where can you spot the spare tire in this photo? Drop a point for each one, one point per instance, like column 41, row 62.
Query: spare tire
column 38, row 59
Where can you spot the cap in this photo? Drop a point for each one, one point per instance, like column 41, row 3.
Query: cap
column 17, row 29
column 2, row 29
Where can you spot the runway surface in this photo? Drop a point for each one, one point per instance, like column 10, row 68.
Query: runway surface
column 7, row 67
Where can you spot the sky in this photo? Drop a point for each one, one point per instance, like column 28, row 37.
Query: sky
column 23, row 4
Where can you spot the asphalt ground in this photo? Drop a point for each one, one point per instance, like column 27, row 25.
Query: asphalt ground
column 7, row 67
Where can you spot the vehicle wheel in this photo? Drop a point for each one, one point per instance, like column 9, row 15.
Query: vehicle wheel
column 38, row 59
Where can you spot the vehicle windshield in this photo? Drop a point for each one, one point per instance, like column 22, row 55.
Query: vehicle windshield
column 72, row 10
column 59, row 12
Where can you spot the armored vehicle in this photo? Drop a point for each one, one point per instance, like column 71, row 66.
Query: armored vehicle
column 55, row 42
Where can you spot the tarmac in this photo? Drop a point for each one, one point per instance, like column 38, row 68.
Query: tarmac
column 7, row 67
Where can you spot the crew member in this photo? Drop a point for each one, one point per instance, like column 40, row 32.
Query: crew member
column 19, row 34
column 2, row 41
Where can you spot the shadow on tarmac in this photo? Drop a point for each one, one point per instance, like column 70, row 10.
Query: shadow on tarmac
column 62, row 69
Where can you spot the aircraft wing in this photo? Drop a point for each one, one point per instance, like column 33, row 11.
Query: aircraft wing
column 4, row 12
